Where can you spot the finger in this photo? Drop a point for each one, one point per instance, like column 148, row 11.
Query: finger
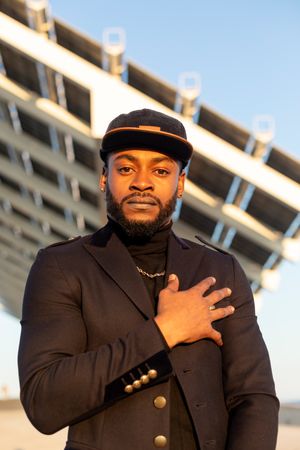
column 217, row 337
column 218, row 295
column 220, row 313
column 205, row 284
column 173, row 283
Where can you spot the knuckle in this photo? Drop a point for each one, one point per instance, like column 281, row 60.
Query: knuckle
column 164, row 293
column 221, row 313
column 216, row 295
column 225, row 292
column 220, row 294
column 226, row 311
column 207, row 282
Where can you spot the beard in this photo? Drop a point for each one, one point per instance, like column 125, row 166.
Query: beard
column 140, row 229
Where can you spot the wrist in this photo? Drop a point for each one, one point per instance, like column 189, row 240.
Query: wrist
column 166, row 330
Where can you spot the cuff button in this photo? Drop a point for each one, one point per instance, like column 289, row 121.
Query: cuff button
column 128, row 389
column 137, row 384
column 145, row 379
column 152, row 373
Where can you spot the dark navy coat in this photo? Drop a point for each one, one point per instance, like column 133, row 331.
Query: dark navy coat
column 88, row 332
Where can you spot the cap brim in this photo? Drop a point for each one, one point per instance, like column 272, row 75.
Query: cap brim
column 135, row 138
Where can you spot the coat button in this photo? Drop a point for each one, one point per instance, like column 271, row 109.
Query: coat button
column 160, row 441
column 152, row 373
column 128, row 389
column 160, row 402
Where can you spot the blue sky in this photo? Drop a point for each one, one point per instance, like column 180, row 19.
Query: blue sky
column 248, row 57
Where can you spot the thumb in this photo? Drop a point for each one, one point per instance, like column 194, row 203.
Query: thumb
column 217, row 337
column 173, row 282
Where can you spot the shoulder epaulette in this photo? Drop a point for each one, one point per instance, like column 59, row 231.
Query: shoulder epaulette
column 211, row 246
column 68, row 241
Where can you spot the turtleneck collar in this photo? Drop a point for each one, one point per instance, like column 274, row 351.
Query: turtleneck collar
column 157, row 244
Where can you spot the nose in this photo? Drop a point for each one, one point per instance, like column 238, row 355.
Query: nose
column 141, row 182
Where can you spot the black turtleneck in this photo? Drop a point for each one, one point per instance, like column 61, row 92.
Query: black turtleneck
column 150, row 254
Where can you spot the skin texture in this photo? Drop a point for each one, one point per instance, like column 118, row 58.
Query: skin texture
column 148, row 177
column 142, row 183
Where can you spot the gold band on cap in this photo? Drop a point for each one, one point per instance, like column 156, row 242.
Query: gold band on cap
column 149, row 127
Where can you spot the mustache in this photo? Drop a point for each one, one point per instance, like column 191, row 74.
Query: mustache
column 141, row 195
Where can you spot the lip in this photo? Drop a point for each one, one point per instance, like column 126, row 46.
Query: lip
column 141, row 206
column 142, row 201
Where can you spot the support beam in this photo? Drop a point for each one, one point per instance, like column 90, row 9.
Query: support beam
column 47, row 52
column 246, row 225
column 17, row 274
column 44, row 155
column 11, row 295
column 7, row 252
column 18, row 242
column 9, row 280
column 253, row 271
column 231, row 215
column 11, row 300
column 12, row 221
column 245, row 166
column 110, row 97
column 46, row 111
column 108, row 94
column 28, row 207
column 49, row 191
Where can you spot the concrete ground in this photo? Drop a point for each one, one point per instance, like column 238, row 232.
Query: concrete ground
column 16, row 432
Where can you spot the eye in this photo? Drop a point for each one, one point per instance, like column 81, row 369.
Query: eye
column 161, row 172
column 125, row 170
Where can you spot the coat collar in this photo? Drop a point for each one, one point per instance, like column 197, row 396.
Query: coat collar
column 183, row 260
column 115, row 260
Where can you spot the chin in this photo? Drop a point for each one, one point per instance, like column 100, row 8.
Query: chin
column 140, row 227
column 143, row 218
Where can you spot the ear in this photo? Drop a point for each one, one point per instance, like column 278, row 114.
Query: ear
column 180, row 187
column 103, row 179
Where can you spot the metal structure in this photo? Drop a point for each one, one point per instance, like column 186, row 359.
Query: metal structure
column 59, row 89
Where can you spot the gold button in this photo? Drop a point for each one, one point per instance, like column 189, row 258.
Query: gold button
column 137, row 384
column 160, row 402
column 145, row 379
column 152, row 373
column 160, row 441
column 128, row 389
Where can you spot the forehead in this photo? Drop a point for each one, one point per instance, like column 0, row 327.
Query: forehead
column 141, row 156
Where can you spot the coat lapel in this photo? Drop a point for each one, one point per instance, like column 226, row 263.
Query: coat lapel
column 109, row 252
column 183, row 260
column 113, row 257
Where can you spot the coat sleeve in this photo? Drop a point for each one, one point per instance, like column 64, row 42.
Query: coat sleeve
column 62, row 383
column 248, row 382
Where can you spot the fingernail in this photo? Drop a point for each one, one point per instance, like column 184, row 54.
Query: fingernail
column 213, row 280
column 229, row 291
column 232, row 309
column 172, row 277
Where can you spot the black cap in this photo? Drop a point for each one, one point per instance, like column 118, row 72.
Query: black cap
column 150, row 130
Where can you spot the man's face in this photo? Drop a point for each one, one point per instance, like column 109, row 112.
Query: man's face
column 141, row 190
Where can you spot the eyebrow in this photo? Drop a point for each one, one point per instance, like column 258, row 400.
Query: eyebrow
column 156, row 160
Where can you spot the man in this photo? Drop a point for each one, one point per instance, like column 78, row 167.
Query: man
column 135, row 338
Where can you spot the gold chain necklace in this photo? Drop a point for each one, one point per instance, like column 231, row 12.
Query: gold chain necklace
column 151, row 275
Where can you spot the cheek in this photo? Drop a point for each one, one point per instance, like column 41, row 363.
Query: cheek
column 170, row 188
column 116, row 185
